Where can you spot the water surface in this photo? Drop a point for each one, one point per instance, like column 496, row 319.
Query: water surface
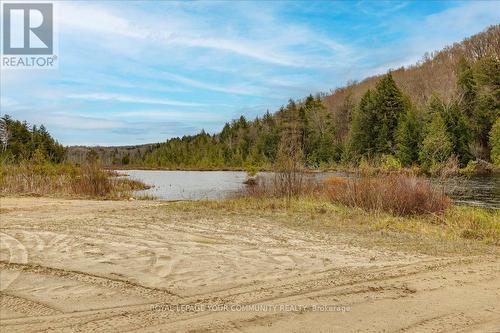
column 481, row 191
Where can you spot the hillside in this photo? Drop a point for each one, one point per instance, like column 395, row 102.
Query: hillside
column 460, row 83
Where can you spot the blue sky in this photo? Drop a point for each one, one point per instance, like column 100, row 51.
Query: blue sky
column 137, row 72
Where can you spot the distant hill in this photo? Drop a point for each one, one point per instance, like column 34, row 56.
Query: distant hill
column 111, row 155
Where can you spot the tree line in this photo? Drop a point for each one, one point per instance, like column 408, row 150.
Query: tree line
column 20, row 141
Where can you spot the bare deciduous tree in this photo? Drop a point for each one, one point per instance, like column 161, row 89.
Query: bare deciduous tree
column 4, row 134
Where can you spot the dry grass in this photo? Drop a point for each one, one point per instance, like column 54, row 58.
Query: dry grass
column 88, row 181
column 279, row 187
column 459, row 229
column 401, row 195
column 92, row 181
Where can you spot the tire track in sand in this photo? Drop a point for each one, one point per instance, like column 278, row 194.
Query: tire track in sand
column 18, row 255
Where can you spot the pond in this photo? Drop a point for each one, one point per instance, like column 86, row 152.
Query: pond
column 481, row 191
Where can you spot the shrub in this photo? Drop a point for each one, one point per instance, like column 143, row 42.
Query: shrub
column 389, row 163
column 450, row 168
column 397, row 194
column 289, row 165
column 92, row 181
column 251, row 170
column 400, row 195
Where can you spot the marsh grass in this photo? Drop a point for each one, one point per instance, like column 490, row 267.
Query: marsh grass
column 87, row 181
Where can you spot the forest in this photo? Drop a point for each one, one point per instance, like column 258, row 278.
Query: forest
column 442, row 112
column 21, row 142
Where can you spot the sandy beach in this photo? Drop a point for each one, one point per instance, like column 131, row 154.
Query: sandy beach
column 148, row 266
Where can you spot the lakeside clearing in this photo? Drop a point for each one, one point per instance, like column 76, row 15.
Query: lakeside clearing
column 124, row 265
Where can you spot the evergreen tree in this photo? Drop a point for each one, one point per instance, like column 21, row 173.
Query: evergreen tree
column 479, row 89
column 362, row 134
column 408, row 138
column 436, row 146
column 20, row 142
column 390, row 105
column 467, row 87
column 317, row 133
column 458, row 132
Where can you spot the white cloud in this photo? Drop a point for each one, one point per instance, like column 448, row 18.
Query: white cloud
column 469, row 15
column 131, row 99
column 97, row 19
column 65, row 120
column 241, row 90
column 169, row 115
column 431, row 33
column 270, row 45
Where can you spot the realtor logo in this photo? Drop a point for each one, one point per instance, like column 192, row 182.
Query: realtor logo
column 28, row 28
column 28, row 36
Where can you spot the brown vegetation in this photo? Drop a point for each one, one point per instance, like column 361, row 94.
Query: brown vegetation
column 397, row 194
column 281, row 185
column 88, row 180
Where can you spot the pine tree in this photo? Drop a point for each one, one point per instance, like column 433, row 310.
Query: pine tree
column 458, row 132
column 436, row 146
column 318, row 132
column 408, row 138
column 390, row 105
column 361, row 136
column 467, row 87
column 487, row 110
column 479, row 93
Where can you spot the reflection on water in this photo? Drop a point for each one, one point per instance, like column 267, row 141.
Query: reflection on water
column 481, row 191
column 196, row 185
column 189, row 185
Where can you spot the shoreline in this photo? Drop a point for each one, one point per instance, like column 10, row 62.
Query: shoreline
column 350, row 170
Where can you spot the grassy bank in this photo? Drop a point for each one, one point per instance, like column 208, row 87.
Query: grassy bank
column 398, row 203
column 457, row 229
column 65, row 180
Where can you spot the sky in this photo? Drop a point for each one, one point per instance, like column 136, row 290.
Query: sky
column 134, row 72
